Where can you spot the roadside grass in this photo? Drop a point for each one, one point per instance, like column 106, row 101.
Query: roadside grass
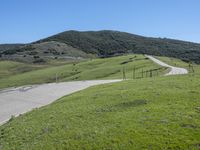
column 173, row 61
column 108, row 68
column 179, row 63
column 149, row 113
column 12, row 68
column 8, row 68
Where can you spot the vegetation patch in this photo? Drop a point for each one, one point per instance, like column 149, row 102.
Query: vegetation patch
column 131, row 104
column 146, row 113
column 107, row 68
column 124, row 115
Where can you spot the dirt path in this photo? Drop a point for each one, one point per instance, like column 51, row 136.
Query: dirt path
column 173, row 71
column 16, row 101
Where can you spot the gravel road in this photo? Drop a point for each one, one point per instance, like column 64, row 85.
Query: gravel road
column 173, row 71
column 16, row 101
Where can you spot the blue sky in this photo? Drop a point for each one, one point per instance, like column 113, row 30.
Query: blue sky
column 25, row 21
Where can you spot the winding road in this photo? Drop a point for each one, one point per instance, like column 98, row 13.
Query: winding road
column 173, row 71
column 16, row 101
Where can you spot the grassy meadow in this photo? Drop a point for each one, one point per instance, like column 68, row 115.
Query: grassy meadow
column 12, row 68
column 150, row 113
column 144, row 113
column 108, row 68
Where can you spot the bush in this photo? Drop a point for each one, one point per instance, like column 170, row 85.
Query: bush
column 10, row 52
column 36, row 57
column 33, row 53
column 45, row 52
column 39, row 61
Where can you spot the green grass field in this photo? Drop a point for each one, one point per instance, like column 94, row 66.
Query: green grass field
column 144, row 113
column 12, row 68
column 109, row 68
column 151, row 113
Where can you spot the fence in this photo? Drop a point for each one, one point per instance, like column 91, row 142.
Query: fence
column 142, row 73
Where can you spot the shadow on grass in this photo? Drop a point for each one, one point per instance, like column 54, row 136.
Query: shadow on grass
column 122, row 106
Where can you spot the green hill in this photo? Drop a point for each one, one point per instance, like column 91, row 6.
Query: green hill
column 148, row 113
column 108, row 43
column 75, row 44
column 18, row 74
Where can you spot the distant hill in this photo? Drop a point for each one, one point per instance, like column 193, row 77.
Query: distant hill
column 108, row 43
column 4, row 47
column 111, row 43
column 41, row 52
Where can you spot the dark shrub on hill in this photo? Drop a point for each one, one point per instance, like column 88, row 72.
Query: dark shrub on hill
column 33, row 53
column 40, row 60
column 36, row 57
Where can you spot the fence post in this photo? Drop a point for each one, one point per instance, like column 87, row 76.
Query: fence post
column 191, row 68
column 56, row 77
column 142, row 73
column 124, row 74
column 189, row 65
column 150, row 73
column 147, row 74
column 134, row 73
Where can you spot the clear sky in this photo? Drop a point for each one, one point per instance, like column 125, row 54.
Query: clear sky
column 23, row 21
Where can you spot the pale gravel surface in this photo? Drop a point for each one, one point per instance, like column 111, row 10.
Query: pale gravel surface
column 16, row 101
column 173, row 70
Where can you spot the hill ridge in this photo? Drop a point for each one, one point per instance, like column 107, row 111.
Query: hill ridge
column 106, row 43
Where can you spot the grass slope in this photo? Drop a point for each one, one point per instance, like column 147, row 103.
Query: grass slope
column 151, row 113
column 109, row 68
column 12, row 68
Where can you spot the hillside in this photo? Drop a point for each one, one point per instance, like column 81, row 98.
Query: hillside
column 4, row 47
column 17, row 74
column 140, row 113
column 75, row 44
column 150, row 113
column 42, row 52
column 108, row 43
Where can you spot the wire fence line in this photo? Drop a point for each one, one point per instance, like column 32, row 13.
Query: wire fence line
column 142, row 73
